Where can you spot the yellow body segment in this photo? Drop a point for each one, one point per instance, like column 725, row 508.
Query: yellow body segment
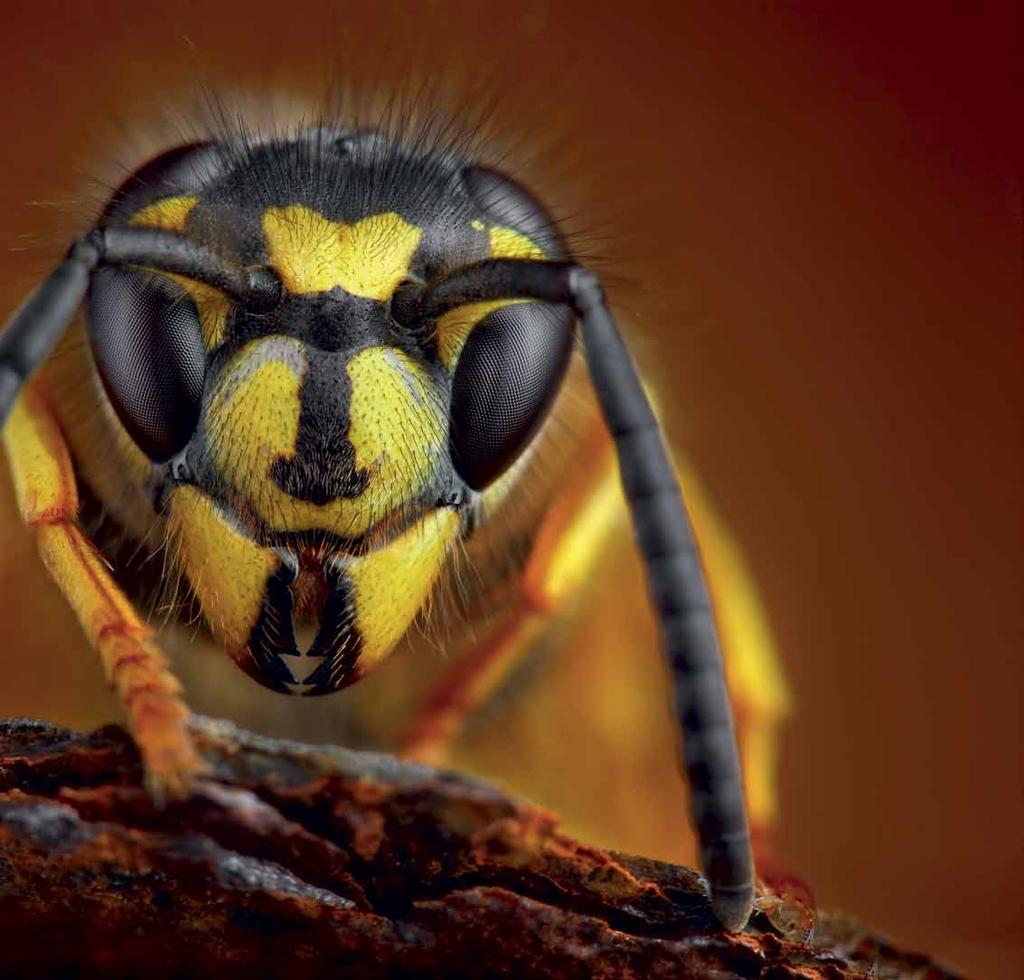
column 134, row 667
column 313, row 254
column 752, row 669
column 226, row 569
column 572, row 538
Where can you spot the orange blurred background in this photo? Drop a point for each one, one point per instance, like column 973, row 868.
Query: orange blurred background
column 813, row 217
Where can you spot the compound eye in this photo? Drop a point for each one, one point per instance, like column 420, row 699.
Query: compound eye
column 149, row 350
column 507, row 376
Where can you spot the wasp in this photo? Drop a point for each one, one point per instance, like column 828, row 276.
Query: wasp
column 320, row 367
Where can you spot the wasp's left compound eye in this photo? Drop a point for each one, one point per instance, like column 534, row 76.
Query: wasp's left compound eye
column 149, row 350
column 507, row 376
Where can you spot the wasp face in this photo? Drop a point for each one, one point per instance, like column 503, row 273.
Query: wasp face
column 318, row 460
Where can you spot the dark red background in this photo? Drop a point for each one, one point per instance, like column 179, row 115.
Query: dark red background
column 818, row 207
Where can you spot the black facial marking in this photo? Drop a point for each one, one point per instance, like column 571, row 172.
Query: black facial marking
column 323, row 466
column 334, row 326
column 272, row 644
column 274, row 633
column 337, row 639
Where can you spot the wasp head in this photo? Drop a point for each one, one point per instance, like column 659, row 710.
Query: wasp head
column 317, row 459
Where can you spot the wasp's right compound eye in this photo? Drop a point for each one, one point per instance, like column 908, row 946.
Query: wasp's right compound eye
column 149, row 350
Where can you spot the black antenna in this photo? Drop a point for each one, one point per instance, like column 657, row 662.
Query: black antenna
column 665, row 539
column 36, row 327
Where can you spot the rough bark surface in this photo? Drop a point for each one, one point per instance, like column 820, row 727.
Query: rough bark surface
column 301, row 861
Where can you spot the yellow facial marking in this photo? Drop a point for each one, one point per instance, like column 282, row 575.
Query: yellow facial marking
column 454, row 328
column 253, row 419
column 391, row 585
column 395, row 426
column 213, row 308
column 171, row 214
column 228, row 572
column 509, row 244
column 313, row 254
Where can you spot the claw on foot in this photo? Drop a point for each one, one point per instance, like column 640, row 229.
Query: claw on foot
column 169, row 755
column 424, row 751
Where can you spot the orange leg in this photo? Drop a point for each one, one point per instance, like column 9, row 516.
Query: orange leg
column 136, row 669
column 571, row 536
column 466, row 687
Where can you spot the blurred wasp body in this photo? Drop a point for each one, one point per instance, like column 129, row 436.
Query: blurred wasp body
column 322, row 364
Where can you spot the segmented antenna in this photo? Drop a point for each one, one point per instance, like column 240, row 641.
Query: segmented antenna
column 666, row 542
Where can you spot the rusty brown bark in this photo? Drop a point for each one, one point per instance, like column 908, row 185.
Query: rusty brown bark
column 303, row 861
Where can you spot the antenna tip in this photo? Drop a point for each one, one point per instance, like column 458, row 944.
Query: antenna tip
column 732, row 905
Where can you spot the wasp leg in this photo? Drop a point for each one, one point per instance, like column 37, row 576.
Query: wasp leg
column 140, row 674
column 467, row 687
column 569, row 541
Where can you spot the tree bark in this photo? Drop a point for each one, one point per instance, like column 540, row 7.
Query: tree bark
column 299, row 861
